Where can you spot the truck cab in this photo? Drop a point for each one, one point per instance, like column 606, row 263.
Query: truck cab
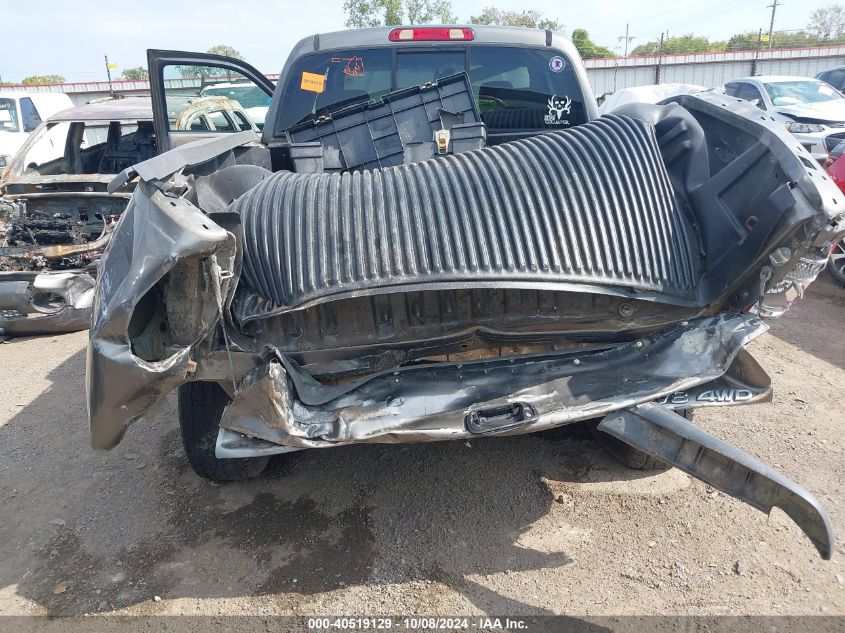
column 524, row 81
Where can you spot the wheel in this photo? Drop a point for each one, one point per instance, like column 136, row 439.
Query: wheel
column 836, row 263
column 201, row 405
column 626, row 454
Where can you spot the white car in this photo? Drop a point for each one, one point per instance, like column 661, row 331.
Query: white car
column 811, row 109
column 20, row 114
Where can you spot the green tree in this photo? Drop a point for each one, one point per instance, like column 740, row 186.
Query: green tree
column 529, row 18
column 827, row 22
column 39, row 80
column 688, row 43
column 135, row 74
column 203, row 72
column 587, row 48
column 743, row 41
column 365, row 13
column 430, row 12
column 750, row 40
column 226, row 51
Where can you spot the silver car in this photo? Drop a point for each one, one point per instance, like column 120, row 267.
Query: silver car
column 811, row 109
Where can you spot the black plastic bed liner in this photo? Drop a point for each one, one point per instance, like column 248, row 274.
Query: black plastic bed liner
column 589, row 205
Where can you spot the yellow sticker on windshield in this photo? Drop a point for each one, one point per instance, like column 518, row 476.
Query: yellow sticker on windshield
column 312, row 82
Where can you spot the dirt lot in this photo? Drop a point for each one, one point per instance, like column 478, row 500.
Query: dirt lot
column 529, row 525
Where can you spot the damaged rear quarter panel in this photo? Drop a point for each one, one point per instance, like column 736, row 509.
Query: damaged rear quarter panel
column 155, row 233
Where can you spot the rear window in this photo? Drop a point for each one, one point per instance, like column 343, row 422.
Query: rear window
column 525, row 89
column 8, row 116
column 517, row 89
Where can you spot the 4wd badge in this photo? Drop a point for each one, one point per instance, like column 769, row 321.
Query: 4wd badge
column 558, row 106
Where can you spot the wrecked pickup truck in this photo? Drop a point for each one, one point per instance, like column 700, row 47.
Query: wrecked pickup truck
column 436, row 238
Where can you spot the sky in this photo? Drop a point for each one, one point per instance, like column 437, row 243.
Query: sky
column 70, row 37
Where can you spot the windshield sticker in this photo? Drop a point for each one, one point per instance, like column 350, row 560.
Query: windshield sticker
column 354, row 65
column 558, row 106
column 312, row 82
column 557, row 64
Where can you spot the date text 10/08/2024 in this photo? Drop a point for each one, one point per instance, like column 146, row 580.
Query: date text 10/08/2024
column 416, row 623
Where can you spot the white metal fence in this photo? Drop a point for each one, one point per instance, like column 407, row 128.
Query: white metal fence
column 709, row 69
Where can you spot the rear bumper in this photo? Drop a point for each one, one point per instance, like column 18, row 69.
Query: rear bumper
column 700, row 363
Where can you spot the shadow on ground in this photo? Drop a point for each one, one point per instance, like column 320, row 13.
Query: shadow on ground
column 94, row 531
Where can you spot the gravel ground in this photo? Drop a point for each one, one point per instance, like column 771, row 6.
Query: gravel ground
column 526, row 525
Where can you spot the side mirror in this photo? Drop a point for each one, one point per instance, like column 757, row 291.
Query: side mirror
column 755, row 102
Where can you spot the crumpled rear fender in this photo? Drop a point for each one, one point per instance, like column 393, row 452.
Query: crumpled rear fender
column 157, row 236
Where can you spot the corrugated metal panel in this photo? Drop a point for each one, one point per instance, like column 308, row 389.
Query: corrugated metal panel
column 119, row 85
column 826, row 52
column 592, row 204
column 709, row 69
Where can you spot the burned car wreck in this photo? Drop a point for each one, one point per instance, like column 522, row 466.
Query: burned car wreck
column 614, row 269
column 59, row 214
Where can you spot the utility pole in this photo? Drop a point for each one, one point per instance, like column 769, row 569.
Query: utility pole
column 773, row 7
column 659, row 60
column 626, row 37
column 757, row 52
column 108, row 74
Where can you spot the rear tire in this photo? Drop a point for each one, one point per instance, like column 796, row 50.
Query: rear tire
column 626, row 454
column 836, row 263
column 201, row 406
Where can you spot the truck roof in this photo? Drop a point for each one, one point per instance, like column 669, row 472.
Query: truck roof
column 484, row 34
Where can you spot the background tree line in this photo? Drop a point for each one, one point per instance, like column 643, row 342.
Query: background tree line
column 826, row 25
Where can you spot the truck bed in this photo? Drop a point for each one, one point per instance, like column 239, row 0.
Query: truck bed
column 591, row 206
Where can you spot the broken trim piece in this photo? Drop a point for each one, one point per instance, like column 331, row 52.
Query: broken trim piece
column 194, row 153
column 668, row 436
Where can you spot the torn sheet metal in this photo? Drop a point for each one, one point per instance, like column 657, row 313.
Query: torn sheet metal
column 45, row 303
column 672, row 438
column 154, row 234
column 194, row 153
column 278, row 403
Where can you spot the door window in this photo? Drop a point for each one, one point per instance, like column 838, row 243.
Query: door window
column 8, row 116
column 836, row 78
column 750, row 93
column 29, row 114
column 204, row 98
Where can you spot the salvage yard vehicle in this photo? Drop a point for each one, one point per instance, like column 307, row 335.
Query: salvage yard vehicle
column 437, row 238
column 61, row 216
column 20, row 114
column 811, row 109
column 835, row 168
column 249, row 96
